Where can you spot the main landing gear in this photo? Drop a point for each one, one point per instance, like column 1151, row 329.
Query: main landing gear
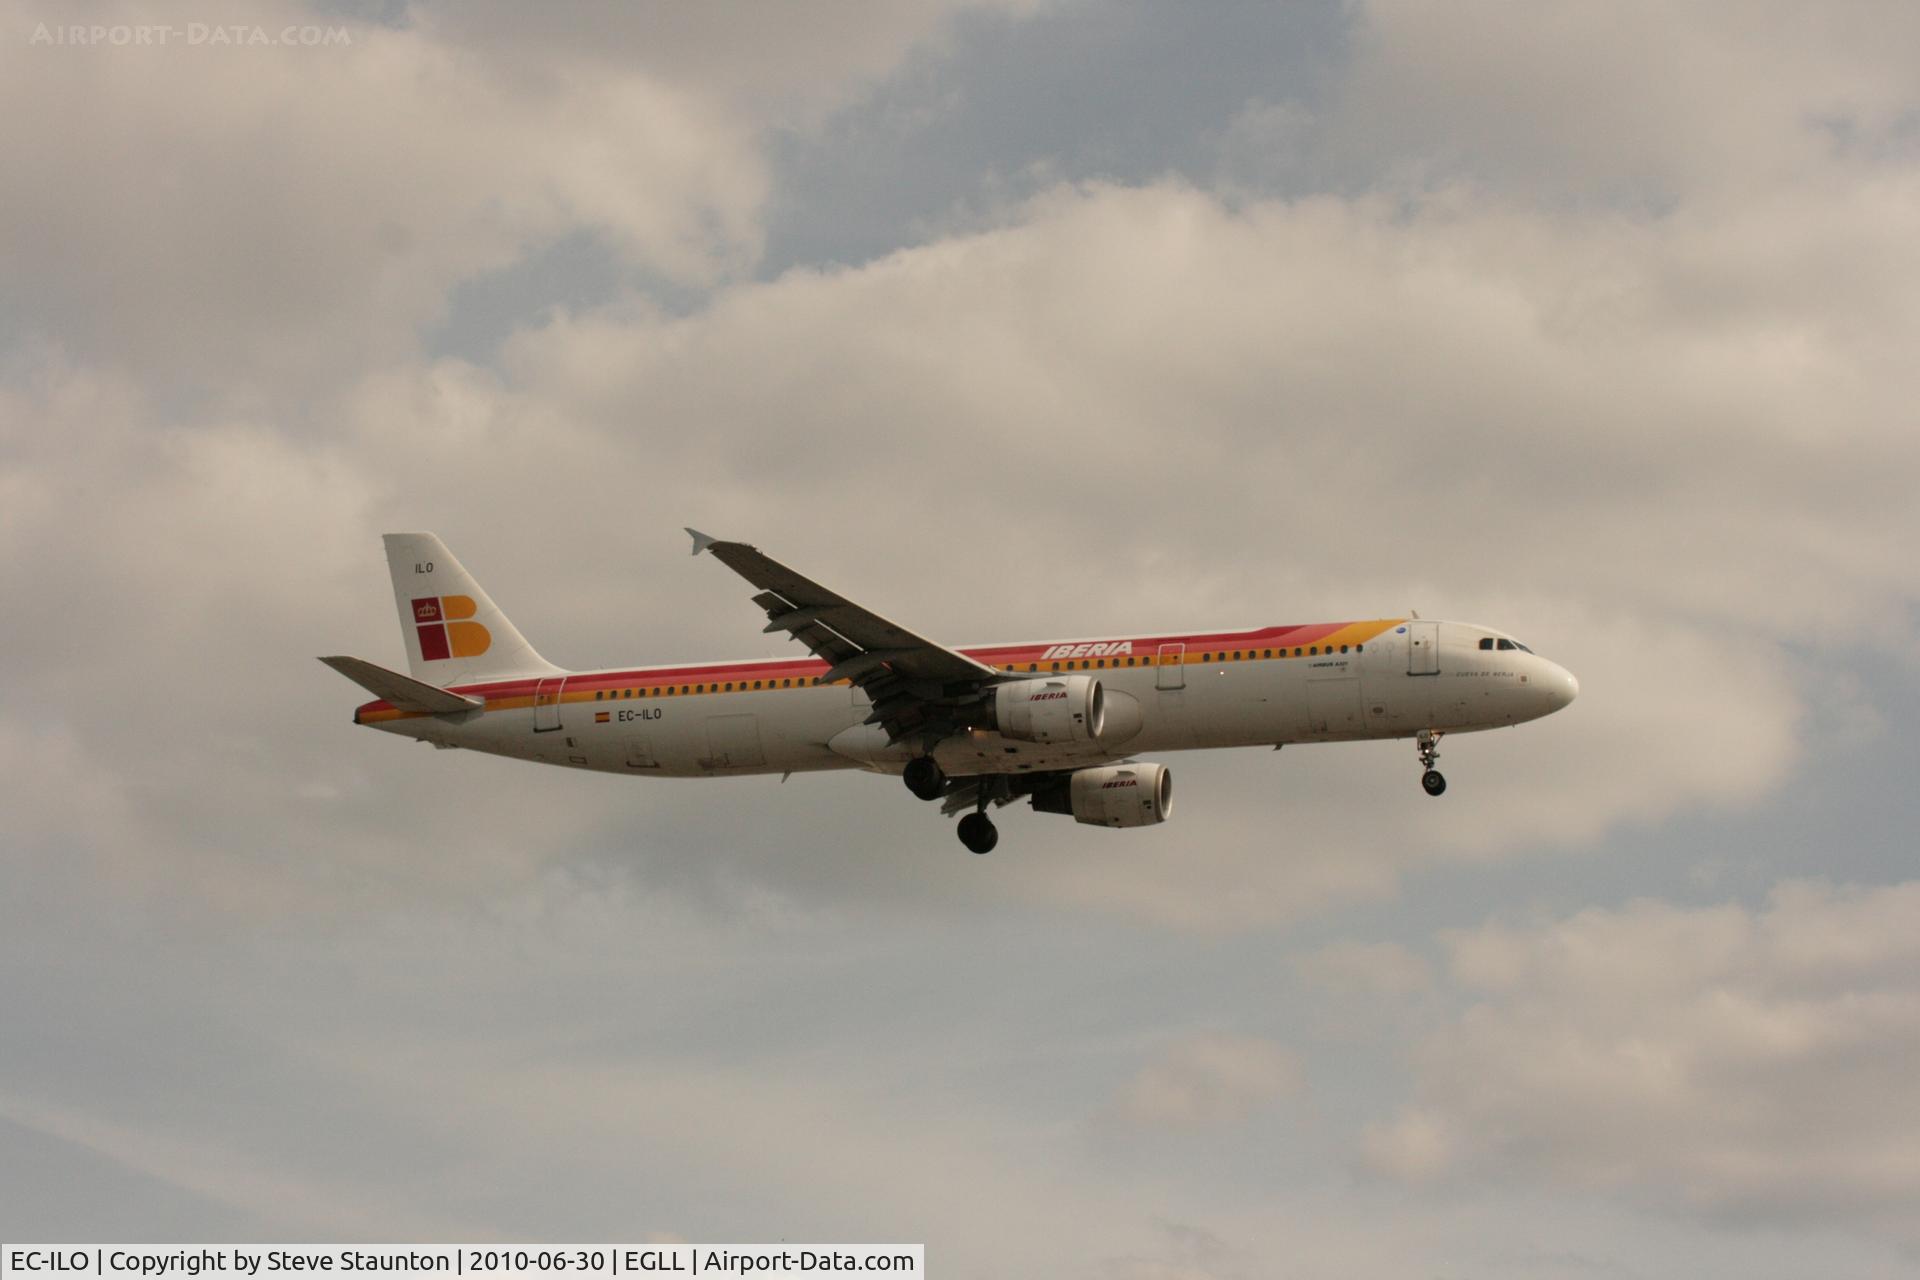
column 926, row 779
column 978, row 833
column 1429, row 743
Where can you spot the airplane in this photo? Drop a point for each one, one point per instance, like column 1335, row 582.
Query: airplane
column 1059, row 723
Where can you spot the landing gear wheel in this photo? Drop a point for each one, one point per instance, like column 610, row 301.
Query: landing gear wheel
column 978, row 833
column 1428, row 740
column 925, row 778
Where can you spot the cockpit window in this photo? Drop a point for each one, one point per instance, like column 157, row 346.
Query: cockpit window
column 1505, row 644
column 1486, row 642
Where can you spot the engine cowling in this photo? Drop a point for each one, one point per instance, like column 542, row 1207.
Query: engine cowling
column 1057, row 709
column 1115, row 795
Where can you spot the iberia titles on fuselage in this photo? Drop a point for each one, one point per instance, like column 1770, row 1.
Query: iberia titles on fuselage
column 1060, row 722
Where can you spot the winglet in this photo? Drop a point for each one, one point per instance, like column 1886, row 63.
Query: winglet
column 701, row 541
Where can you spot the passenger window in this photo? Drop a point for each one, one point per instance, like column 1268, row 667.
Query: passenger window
column 1343, row 648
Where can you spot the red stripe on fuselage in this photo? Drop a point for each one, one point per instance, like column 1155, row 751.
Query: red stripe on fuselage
column 997, row 656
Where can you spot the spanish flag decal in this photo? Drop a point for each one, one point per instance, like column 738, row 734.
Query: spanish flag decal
column 446, row 629
column 602, row 717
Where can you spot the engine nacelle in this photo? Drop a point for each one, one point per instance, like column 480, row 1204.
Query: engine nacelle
column 1057, row 709
column 1115, row 795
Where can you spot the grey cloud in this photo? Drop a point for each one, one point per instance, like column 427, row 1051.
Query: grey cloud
column 1746, row 1065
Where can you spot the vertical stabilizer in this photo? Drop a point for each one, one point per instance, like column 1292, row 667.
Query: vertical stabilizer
column 453, row 631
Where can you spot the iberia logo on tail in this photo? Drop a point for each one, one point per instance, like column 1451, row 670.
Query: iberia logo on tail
column 445, row 631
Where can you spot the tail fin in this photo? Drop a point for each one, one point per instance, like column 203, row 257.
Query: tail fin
column 454, row 632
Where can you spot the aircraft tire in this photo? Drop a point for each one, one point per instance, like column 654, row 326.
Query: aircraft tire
column 978, row 833
column 925, row 778
column 1433, row 782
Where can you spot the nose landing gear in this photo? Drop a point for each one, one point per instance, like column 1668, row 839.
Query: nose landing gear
column 1428, row 741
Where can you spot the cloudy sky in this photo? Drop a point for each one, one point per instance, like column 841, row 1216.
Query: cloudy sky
column 1592, row 322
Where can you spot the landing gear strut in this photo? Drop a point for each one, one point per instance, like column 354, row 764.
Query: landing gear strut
column 1429, row 743
column 925, row 778
column 978, row 833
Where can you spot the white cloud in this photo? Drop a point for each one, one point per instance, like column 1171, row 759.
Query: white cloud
column 1635, row 100
column 1743, row 1064
column 1656, row 446
column 1629, row 375
column 1260, row 407
column 776, row 60
column 1366, row 969
column 238, row 218
column 1206, row 1080
column 255, row 222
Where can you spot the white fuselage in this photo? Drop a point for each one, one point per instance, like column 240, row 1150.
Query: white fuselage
column 1388, row 679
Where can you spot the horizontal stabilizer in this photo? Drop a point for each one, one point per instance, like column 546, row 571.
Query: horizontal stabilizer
column 404, row 692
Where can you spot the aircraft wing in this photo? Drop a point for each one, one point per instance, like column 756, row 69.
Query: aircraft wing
column 914, row 683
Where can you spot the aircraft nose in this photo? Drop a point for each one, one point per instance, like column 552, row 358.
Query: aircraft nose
column 1561, row 686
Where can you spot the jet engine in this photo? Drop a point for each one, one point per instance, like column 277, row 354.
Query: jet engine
column 1057, row 709
column 1115, row 795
